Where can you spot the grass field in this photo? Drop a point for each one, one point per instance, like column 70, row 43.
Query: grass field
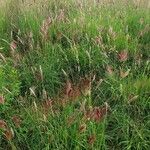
column 74, row 75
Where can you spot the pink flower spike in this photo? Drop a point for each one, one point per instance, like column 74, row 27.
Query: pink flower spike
column 123, row 56
column 13, row 45
column 3, row 124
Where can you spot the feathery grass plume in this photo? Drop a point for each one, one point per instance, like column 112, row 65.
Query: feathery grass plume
column 124, row 74
column 2, row 100
column 13, row 46
column 109, row 70
column 17, row 120
column 97, row 114
column 82, row 128
column 3, row 124
column 47, row 106
column 9, row 134
column 61, row 15
column 45, row 27
column 91, row 139
column 123, row 56
column 85, row 86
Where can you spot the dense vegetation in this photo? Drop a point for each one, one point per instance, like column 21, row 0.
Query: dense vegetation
column 74, row 75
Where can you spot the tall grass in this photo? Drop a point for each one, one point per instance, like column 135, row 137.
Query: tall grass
column 82, row 75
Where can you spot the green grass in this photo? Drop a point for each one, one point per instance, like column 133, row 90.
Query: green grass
column 105, row 43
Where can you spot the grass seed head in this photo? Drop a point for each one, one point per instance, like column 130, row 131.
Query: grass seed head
column 82, row 128
column 9, row 134
column 3, row 124
column 91, row 139
column 2, row 100
column 16, row 120
column 123, row 56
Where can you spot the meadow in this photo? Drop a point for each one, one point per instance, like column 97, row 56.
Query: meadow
column 74, row 74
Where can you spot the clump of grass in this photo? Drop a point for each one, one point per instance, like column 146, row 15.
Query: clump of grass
column 77, row 75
